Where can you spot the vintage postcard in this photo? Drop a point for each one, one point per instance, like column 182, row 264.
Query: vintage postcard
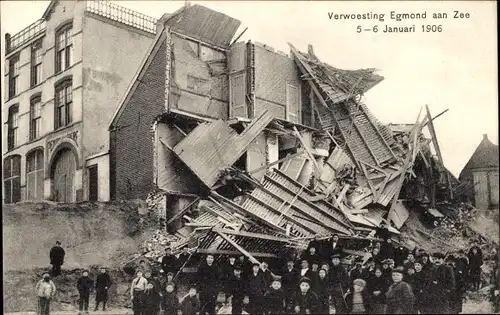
column 250, row 157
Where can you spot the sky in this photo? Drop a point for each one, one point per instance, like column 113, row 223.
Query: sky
column 454, row 69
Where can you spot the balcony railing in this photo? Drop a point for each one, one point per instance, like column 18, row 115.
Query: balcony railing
column 25, row 35
column 122, row 15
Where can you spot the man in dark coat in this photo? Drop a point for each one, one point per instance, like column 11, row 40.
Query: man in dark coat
column 274, row 298
column 335, row 247
column 400, row 255
column 169, row 263
column 305, row 271
column 456, row 296
column 304, row 301
column 208, row 280
column 227, row 274
column 357, row 271
column 320, row 287
column 399, row 297
column 317, row 244
column 339, row 284
column 387, row 249
column 57, row 254
column 184, row 256
column 256, row 290
column 419, row 287
column 102, row 284
column 245, row 265
column 475, row 256
column 440, row 286
column 312, row 256
column 290, row 280
column 84, row 286
column 237, row 290
column 267, row 275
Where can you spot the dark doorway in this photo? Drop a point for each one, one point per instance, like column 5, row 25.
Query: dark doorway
column 93, row 183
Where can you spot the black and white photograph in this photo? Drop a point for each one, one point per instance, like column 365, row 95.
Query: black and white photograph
column 178, row 157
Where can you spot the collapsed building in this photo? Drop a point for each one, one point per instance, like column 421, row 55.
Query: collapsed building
column 245, row 150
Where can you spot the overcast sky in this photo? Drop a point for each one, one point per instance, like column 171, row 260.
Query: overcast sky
column 455, row 69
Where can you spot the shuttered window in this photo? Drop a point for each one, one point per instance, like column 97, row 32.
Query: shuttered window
column 238, row 96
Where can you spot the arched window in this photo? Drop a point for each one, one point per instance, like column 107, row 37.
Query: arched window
column 34, row 175
column 63, row 104
column 64, row 47
column 13, row 130
column 12, row 179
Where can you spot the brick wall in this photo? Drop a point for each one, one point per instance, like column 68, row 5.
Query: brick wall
column 131, row 140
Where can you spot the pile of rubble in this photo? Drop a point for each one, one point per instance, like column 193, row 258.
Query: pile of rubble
column 344, row 177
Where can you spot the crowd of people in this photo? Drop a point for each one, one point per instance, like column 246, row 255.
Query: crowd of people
column 394, row 280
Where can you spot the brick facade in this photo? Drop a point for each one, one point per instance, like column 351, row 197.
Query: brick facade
column 131, row 154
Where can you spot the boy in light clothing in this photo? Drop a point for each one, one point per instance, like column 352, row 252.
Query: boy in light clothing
column 45, row 290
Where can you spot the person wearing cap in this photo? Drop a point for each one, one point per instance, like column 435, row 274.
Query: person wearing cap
column 190, row 303
column 321, row 287
column 358, row 300
column 419, row 286
column 356, row 271
column 377, row 286
column 400, row 298
column 45, row 290
column 274, row 298
column 227, row 274
column 170, row 263
column 57, row 254
column 266, row 274
column 237, row 290
column 304, row 301
column 256, row 289
column 184, row 256
column 102, row 284
column 208, row 279
column 339, row 284
column 84, row 286
column 475, row 256
column 440, row 286
column 456, row 296
column 137, row 290
column 152, row 300
column 170, row 302
column 290, row 280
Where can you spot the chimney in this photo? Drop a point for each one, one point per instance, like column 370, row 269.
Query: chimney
column 7, row 42
column 485, row 136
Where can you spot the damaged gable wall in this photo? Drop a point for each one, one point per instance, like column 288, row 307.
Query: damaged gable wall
column 131, row 152
column 199, row 79
column 277, row 84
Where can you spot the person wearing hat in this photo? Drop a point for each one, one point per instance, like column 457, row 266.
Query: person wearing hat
column 304, row 301
column 274, row 298
column 84, row 286
column 237, row 290
column 377, row 287
column 45, row 290
column 339, row 284
column 170, row 263
column 400, row 298
column 290, row 279
column 227, row 274
column 208, row 279
column 57, row 254
column 102, row 284
column 321, row 287
column 475, row 256
column 256, row 289
column 440, row 286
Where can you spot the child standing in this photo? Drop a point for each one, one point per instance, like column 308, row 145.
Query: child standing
column 84, row 285
column 190, row 304
column 170, row 304
column 357, row 300
column 274, row 299
column 305, row 301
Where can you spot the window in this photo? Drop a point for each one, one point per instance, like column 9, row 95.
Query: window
column 35, row 117
column 292, row 103
column 63, row 101
column 14, row 76
column 12, row 132
column 36, row 63
column 34, row 175
column 12, row 179
column 64, row 48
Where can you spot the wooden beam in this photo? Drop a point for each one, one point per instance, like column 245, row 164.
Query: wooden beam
column 342, row 193
column 441, row 113
column 252, row 235
column 234, row 253
column 238, row 247
column 186, row 208
column 360, row 211
column 436, row 146
column 311, row 156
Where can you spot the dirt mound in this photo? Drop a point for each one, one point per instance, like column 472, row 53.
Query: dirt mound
column 91, row 233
